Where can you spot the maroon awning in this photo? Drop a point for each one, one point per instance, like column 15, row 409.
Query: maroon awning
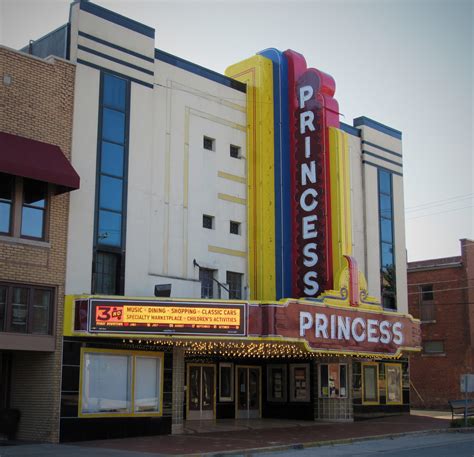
column 33, row 159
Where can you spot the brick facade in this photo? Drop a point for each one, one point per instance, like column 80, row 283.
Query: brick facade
column 435, row 376
column 36, row 102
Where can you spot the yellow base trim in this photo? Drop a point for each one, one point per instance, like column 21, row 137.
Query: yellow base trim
column 232, row 199
column 231, row 177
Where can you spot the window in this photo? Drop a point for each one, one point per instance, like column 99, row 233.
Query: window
column 111, row 185
column 393, row 380
column 23, row 206
column 120, row 383
column 433, row 347
column 276, row 383
column 299, row 382
column 208, row 143
column 235, row 228
column 207, row 221
column 206, row 276
column 370, row 384
column 333, row 380
column 387, row 260
column 427, row 292
column 234, row 281
column 427, row 307
column 226, row 382
column 235, row 151
column 26, row 309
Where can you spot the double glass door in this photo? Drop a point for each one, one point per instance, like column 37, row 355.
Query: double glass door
column 248, row 392
column 201, row 391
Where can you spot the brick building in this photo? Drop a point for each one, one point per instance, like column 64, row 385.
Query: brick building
column 441, row 294
column 36, row 101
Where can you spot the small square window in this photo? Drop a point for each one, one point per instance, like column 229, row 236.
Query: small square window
column 235, row 151
column 235, row 228
column 433, row 347
column 208, row 221
column 208, row 143
column 427, row 292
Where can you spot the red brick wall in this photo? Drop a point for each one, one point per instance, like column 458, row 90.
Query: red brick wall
column 435, row 378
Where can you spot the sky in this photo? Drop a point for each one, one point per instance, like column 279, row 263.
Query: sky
column 405, row 63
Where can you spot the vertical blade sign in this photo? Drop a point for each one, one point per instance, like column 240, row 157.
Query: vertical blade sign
column 312, row 111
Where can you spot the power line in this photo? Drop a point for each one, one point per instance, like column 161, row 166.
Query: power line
column 439, row 202
column 442, row 290
column 439, row 212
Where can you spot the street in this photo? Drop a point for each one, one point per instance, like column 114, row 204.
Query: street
column 429, row 445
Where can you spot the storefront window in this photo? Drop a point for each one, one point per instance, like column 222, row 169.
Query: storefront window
column 333, row 380
column 226, row 382
column 393, row 379
column 370, row 387
column 299, row 382
column 107, row 383
column 276, row 383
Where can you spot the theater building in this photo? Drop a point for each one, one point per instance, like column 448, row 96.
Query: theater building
column 234, row 250
column 36, row 178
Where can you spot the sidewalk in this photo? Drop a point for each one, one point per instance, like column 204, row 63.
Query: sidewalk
column 244, row 440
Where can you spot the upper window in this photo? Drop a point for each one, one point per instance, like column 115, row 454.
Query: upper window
column 234, row 281
column 26, row 309
column 433, row 347
column 208, row 143
column 207, row 221
column 206, row 276
column 427, row 292
column 23, row 207
column 235, row 228
column 235, row 151
column 427, row 306
column 387, row 243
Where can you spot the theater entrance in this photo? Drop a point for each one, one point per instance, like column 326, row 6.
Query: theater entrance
column 248, row 392
column 201, row 391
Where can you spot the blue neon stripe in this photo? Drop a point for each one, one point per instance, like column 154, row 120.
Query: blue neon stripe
column 118, row 19
column 283, row 273
column 200, row 71
column 114, row 59
column 116, row 46
column 377, row 126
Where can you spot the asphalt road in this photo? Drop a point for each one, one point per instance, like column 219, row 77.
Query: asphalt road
column 429, row 445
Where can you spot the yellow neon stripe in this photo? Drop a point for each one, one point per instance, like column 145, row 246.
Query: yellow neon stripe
column 232, row 252
column 231, row 177
column 257, row 73
column 231, row 198
column 341, row 216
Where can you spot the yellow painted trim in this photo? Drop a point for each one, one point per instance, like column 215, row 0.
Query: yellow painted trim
column 231, row 177
column 401, row 384
column 341, row 217
column 257, row 73
column 236, row 399
column 188, row 366
column 134, row 354
column 232, row 199
column 376, row 364
column 225, row 251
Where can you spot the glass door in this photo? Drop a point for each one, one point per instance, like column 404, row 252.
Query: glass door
column 201, row 391
column 248, row 391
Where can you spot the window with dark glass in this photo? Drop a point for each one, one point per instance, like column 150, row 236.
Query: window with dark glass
column 111, row 185
column 226, row 382
column 208, row 143
column 206, row 276
column 235, row 151
column 370, row 383
column 433, row 347
column 387, row 259
column 26, row 309
column 7, row 185
column 427, row 306
column 234, row 282
column 207, row 221
column 277, row 383
column 235, row 228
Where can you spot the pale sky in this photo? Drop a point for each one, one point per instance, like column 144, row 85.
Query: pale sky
column 405, row 63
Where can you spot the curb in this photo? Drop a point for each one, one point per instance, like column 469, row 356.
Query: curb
column 285, row 447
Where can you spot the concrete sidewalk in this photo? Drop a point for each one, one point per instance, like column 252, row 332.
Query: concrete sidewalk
column 246, row 440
